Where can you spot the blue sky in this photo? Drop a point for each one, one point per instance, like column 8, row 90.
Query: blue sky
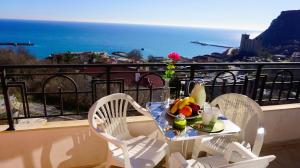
column 237, row 14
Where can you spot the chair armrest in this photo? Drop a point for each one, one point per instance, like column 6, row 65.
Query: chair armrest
column 259, row 140
column 139, row 108
column 177, row 161
column 119, row 144
column 112, row 139
column 240, row 149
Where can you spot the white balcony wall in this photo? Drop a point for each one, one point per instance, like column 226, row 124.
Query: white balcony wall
column 72, row 144
column 282, row 123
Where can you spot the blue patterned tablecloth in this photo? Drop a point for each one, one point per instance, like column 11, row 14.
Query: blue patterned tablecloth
column 164, row 123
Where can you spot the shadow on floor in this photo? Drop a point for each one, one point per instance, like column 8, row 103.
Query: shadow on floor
column 287, row 154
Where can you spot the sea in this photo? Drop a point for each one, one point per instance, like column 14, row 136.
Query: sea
column 51, row 37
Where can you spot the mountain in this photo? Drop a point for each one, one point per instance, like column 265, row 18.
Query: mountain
column 283, row 31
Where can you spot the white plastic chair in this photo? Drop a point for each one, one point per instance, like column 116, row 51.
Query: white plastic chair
column 218, row 161
column 107, row 118
column 244, row 112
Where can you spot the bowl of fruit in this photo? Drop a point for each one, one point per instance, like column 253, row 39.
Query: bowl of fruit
column 186, row 106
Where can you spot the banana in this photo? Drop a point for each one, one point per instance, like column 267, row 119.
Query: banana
column 185, row 102
column 182, row 104
column 191, row 100
column 174, row 108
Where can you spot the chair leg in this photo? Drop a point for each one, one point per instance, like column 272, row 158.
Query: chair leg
column 196, row 149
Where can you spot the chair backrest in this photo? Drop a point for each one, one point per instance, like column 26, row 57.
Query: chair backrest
column 108, row 115
column 243, row 111
column 259, row 162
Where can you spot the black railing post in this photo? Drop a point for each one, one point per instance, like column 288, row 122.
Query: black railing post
column 108, row 80
column 298, row 91
column 192, row 73
column 256, row 83
column 61, row 101
column 245, row 86
column 151, row 92
column 10, row 119
column 262, row 88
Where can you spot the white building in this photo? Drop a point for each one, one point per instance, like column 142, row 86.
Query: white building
column 295, row 57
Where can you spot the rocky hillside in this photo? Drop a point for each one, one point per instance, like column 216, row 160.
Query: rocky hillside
column 284, row 30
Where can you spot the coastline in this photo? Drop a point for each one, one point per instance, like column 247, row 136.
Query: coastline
column 57, row 37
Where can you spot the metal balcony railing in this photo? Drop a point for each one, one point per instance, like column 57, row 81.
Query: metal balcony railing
column 63, row 90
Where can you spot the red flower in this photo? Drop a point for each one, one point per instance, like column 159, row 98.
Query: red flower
column 174, row 56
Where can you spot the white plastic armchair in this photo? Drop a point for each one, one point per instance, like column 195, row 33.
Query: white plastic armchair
column 244, row 112
column 218, row 161
column 107, row 118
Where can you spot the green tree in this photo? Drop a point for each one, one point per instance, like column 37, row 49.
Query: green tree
column 135, row 55
column 265, row 54
column 10, row 56
column 151, row 58
column 67, row 58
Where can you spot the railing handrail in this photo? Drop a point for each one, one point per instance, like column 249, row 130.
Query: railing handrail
column 254, row 84
column 142, row 64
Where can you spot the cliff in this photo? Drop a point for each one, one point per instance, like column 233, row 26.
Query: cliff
column 284, row 30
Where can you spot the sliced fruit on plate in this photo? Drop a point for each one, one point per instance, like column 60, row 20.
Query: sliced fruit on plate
column 179, row 122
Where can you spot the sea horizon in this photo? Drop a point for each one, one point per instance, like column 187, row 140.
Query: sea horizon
column 137, row 24
column 158, row 40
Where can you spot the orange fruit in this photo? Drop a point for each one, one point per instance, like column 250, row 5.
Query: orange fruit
column 186, row 111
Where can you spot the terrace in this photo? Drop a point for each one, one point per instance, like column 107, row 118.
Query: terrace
column 48, row 127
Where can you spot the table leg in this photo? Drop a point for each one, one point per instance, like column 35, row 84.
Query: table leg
column 168, row 153
column 184, row 148
column 196, row 149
